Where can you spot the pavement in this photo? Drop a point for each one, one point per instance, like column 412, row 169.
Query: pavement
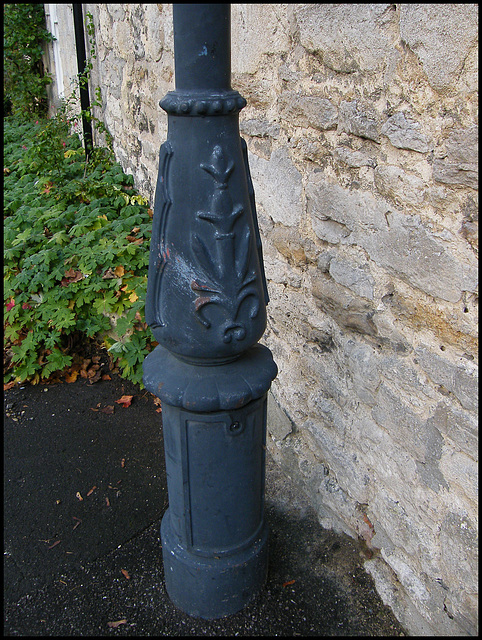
column 84, row 493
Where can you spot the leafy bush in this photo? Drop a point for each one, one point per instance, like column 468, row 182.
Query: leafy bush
column 76, row 238
column 24, row 79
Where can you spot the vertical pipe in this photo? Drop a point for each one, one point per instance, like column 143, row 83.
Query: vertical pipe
column 206, row 306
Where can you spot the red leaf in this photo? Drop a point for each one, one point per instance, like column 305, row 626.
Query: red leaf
column 287, row 584
column 125, row 574
column 125, row 401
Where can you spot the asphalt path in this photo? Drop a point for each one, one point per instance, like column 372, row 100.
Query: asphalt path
column 84, row 493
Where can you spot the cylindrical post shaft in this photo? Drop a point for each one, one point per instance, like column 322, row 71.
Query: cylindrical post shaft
column 206, row 305
column 202, row 46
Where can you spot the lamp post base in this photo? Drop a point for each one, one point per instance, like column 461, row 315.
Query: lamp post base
column 212, row 587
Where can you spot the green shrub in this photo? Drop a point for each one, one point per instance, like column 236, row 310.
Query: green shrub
column 76, row 252
column 24, row 79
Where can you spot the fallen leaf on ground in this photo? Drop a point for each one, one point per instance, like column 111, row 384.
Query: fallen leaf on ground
column 125, row 401
column 106, row 376
column 93, row 376
column 77, row 523
column 287, row 584
column 109, row 409
column 72, row 376
column 77, row 495
column 125, row 574
column 9, row 385
column 107, row 501
column 54, row 544
column 114, row 625
column 91, row 491
column 123, row 462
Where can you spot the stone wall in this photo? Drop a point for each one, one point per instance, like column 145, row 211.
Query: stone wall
column 361, row 127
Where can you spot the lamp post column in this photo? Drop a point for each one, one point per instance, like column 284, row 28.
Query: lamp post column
column 206, row 306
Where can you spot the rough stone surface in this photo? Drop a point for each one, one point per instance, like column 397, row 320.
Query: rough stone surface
column 358, row 120
column 361, row 126
column 460, row 164
column 405, row 133
column 442, row 36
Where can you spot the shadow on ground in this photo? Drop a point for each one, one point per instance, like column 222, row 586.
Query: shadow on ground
column 84, row 493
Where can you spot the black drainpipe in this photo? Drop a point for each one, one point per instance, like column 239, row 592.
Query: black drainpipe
column 84, row 88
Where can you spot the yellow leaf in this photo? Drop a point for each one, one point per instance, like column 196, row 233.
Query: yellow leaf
column 133, row 297
column 119, row 271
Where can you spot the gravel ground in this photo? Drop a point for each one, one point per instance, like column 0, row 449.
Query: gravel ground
column 93, row 566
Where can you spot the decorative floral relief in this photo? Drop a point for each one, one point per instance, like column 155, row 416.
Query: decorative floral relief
column 161, row 248
column 226, row 278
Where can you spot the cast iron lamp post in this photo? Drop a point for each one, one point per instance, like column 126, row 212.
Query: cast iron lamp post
column 206, row 306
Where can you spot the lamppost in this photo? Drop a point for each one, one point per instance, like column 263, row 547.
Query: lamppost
column 206, row 306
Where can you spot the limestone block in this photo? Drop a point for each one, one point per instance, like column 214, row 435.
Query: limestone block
column 412, row 383
column 337, row 456
column 409, row 250
column 459, row 540
column 411, row 431
column 450, row 325
column 122, row 38
column 460, row 165
column 278, row 271
column 459, row 426
column 309, row 110
column 353, row 158
column 259, row 128
column 401, row 244
column 277, row 186
column 258, row 30
column 278, row 423
column 290, row 244
column 358, row 120
column 442, row 36
column 364, row 370
column 404, row 133
column 350, row 312
column 454, row 378
column 470, row 224
column 461, row 471
column 409, row 579
column 336, row 212
column 154, row 39
column 397, row 599
column 393, row 182
column 349, row 37
column 354, row 277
